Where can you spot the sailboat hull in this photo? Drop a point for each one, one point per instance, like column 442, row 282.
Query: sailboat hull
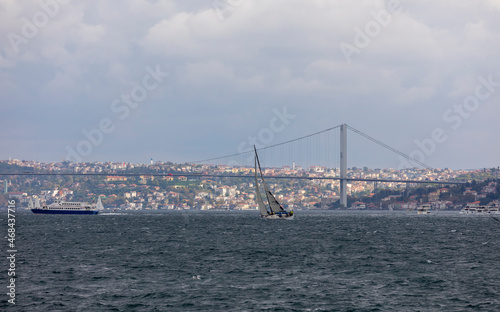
column 278, row 217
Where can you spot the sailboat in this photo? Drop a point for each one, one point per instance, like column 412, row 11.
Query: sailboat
column 34, row 205
column 275, row 210
column 99, row 205
column 30, row 203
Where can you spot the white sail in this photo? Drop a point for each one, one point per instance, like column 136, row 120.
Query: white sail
column 99, row 205
column 30, row 203
column 37, row 203
column 262, row 207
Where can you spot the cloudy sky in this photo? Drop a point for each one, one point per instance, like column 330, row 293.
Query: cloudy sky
column 187, row 80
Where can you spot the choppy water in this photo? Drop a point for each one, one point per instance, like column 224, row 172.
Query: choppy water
column 321, row 261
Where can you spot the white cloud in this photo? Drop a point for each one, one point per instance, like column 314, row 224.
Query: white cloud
column 495, row 4
column 171, row 37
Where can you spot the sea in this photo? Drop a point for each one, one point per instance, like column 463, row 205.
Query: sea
column 235, row 261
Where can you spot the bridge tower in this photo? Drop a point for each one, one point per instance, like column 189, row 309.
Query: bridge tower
column 343, row 165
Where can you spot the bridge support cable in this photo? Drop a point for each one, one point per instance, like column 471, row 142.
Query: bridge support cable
column 389, row 148
column 266, row 147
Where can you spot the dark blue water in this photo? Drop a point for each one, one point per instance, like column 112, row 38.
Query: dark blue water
column 321, row 261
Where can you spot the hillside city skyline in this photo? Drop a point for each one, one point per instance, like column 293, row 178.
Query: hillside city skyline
column 147, row 191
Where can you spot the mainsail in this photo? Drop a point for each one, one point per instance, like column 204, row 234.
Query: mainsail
column 260, row 202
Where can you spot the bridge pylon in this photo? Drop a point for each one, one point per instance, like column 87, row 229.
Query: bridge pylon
column 343, row 165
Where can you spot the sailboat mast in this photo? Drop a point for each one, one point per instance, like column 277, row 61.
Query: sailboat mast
column 262, row 207
column 258, row 162
column 266, row 189
column 261, row 175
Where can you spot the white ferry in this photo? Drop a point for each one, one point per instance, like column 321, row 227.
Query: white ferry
column 476, row 209
column 63, row 207
column 424, row 209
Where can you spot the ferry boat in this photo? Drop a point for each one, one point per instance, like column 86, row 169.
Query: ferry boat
column 63, row 207
column 424, row 209
column 476, row 209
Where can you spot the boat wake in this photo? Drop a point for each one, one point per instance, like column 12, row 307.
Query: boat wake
column 113, row 213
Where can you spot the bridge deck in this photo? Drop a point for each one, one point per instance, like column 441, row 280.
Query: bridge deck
column 201, row 175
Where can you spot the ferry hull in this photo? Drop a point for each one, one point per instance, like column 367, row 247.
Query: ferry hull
column 48, row 211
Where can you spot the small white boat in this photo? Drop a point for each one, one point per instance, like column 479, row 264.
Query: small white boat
column 424, row 209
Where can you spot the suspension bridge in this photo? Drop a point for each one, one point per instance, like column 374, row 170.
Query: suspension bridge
column 328, row 149
column 323, row 149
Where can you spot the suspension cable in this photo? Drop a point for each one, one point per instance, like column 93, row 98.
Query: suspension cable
column 389, row 148
column 267, row 147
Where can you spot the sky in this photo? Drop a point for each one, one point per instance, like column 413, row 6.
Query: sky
column 182, row 81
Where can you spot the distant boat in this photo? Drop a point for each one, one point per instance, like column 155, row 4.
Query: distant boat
column 477, row 209
column 30, row 203
column 274, row 209
column 99, row 205
column 424, row 209
column 63, row 207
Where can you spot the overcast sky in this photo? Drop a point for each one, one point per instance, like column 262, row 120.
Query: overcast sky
column 187, row 80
